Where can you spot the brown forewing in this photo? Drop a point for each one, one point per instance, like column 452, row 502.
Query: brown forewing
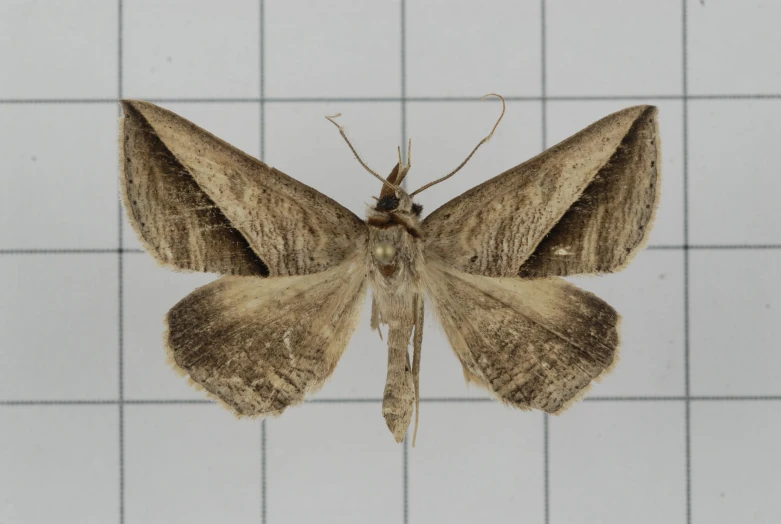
column 611, row 220
column 178, row 224
column 292, row 228
column 612, row 165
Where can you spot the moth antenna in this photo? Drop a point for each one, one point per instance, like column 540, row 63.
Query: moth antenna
column 462, row 164
column 357, row 156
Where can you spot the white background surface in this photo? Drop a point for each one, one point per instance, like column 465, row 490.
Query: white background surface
column 95, row 428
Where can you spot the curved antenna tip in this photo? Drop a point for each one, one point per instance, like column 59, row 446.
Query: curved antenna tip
column 357, row 156
column 500, row 97
column 483, row 141
column 334, row 122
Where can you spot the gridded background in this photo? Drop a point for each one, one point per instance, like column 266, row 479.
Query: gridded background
column 94, row 427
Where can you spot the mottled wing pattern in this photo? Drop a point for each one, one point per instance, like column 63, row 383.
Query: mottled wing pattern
column 260, row 345
column 582, row 206
column 532, row 343
column 174, row 219
column 200, row 204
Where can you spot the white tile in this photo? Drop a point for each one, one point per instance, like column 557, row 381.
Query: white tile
column 326, row 49
column 567, row 118
column 236, row 123
column 618, row 462
column 191, row 49
column 191, row 464
column 303, row 144
column 459, row 48
column 129, row 238
column 59, row 464
column 745, row 62
column 735, row 304
column 612, row 47
column 59, row 176
column 735, row 461
column 444, row 133
column 58, row 49
column 341, row 456
column 478, row 462
column 149, row 292
column 58, row 327
column 733, row 173
column 648, row 295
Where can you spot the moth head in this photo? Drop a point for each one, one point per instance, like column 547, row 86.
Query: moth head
column 394, row 202
column 398, row 202
column 393, row 199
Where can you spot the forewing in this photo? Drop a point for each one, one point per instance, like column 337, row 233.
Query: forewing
column 532, row 343
column 260, row 345
column 582, row 206
column 200, row 204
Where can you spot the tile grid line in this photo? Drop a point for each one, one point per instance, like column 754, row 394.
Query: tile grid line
column 121, row 283
column 262, row 155
column 380, row 99
column 136, row 251
column 378, row 400
column 403, row 108
column 685, row 247
column 544, row 142
column 543, row 99
column 686, row 286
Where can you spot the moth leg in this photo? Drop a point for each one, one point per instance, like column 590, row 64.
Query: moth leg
column 376, row 319
column 417, row 343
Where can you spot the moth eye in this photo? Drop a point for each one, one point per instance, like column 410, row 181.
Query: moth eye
column 384, row 253
column 387, row 203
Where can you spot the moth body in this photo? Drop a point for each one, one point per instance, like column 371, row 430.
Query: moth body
column 394, row 262
column 295, row 264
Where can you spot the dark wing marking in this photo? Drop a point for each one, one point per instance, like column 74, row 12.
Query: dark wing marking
column 582, row 206
column 200, row 204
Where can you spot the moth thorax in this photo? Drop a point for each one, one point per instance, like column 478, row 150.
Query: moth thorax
column 384, row 252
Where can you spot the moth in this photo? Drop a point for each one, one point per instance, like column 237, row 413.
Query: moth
column 295, row 265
